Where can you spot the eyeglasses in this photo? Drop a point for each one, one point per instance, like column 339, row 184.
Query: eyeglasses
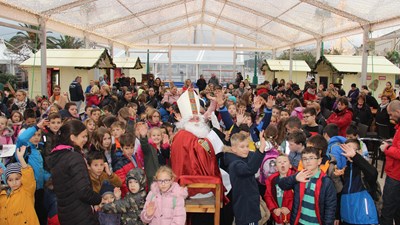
column 309, row 159
column 163, row 181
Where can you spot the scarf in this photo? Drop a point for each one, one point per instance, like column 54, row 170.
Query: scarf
column 383, row 106
column 311, row 91
column 21, row 105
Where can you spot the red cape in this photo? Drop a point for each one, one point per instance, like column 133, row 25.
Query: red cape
column 189, row 157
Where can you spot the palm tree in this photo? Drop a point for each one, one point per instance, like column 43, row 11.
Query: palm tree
column 68, row 42
column 30, row 38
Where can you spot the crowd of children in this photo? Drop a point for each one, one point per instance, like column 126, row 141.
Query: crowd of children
column 111, row 164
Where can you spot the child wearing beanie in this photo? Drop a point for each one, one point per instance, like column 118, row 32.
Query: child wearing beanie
column 107, row 196
column 17, row 202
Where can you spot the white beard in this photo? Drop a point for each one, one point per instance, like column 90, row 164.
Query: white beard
column 199, row 129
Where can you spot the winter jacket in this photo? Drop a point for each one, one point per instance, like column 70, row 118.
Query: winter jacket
column 50, row 205
column 106, row 100
column 389, row 92
column 133, row 203
column 97, row 182
column 164, row 114
column 18, row 206
column 169, row 97
column 392, row 153
column 122, row 102
column 363, row 115
column 151, row 163
column 353, row 94
column 49, row 142
column 72, row 187
column 245, row 193
column 6, row 136
column 335, row 150
column 122, row 165
column 325, row 198
column 361, row 168
column 28, row 105
column 92, row 100
column 213, row 80
column 201, row 84
column 76, row 92
column 33, row 156
column 170, row 206
column 342, row 119
column 271, row 197
column 382, row 119
column 61, row 101
column 109, row 219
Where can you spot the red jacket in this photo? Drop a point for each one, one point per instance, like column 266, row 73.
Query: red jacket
column 271, row 199
column 342, row 119
column 392, row 153
column 309, row 97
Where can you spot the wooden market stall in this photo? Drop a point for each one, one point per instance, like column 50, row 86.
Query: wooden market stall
column 64, row 65
column 345, row 70
column 280, row 69
column 132, row 67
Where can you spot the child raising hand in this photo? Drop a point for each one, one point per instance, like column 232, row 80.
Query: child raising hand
column 17, row 203
column 165, row 203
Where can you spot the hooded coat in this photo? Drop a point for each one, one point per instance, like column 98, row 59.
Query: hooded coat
column 133, row 203
column 17, row 207
column 75, row 196
column 170, row 206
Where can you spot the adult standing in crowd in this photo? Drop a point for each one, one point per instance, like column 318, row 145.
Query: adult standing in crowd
column 391, row 190
column 342, row 116
column 213, row 80
column 201, row 83
column 22, row 102
column 76, row 92
column 124, row 81
column 353, row 94
column 389, row 91
column 238, row 79
column 75, row 196
column 384, row 127
column 171, row 96
column 57, row 97
column 106, row 98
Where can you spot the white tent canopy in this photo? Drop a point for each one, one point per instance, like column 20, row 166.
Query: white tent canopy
column 214, row 24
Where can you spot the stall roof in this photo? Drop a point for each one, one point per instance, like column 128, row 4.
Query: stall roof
column 284, row 65
column 78, row 58
column 352, row 64
column 128, row 63
column 192, row 24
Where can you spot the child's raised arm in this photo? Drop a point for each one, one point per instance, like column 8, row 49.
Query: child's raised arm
column 28, row 178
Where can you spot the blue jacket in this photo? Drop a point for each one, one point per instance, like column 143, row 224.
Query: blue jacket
column 34, row 156
column 245, row 193
column 164, row 114
column 325, row 196
column 335, row 150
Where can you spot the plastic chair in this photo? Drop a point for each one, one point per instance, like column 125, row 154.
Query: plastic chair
column 203, row 184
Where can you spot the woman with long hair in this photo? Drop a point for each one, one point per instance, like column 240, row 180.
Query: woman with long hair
column 75, row 196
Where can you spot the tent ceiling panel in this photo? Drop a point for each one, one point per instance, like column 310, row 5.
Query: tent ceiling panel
column 369, row 10
column 316, row 19
column 271, row 7
column 295, row 22
column 287, row 32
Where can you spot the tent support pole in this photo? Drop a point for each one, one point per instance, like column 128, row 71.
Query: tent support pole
column 291, row 63
column 43, row 58
column 363, row 78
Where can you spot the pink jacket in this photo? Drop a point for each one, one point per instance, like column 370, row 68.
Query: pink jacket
column 170, row 206
column 6, row 136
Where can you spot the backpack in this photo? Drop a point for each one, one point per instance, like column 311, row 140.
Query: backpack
column 268, row 165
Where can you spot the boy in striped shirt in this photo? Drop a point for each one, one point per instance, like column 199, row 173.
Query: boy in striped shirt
column 314, row 192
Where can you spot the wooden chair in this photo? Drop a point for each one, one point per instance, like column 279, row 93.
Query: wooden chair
column 203, row 205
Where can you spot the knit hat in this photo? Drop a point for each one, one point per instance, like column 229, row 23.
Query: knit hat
column 13, row 168
column 232, row 98
column 106, row 188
